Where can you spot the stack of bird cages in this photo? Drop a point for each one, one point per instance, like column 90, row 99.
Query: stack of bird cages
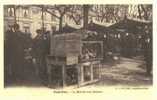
column 73, row 61
column 62, row 63
column 90, row 62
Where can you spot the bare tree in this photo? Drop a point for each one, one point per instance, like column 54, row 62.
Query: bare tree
column 139, row 11
column 144, row 11
column 76, row 14
column 85, row 15
column 109, row 13
column 61, row 10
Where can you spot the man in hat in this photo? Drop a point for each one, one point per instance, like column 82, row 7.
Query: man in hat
column 40, row 52
column 7, row 56
column 16, row 47
column 147, row 47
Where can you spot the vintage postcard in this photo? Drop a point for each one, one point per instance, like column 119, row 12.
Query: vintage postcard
column 72, row 48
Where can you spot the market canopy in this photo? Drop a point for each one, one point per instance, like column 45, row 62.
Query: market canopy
column 66, row 29
column 97, row 27
column 130, row 26
column 93, row 32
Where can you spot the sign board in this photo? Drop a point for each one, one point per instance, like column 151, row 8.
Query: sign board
column 65, row 44
column 71, row 60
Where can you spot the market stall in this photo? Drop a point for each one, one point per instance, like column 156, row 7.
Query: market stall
column 74, row 60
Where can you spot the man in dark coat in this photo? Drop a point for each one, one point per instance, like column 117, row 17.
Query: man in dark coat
column 148, row 55
column 147, row 50
column 16, row 52
column 7, row 56
column 40, row 48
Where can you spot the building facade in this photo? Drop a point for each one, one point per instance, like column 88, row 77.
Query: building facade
column 29, row 19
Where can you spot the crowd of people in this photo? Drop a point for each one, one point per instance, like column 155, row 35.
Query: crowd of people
column 23, row 55
column 131, row 45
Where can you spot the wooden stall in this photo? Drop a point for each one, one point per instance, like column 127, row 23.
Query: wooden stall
column 62, row 63
column 132, row 33
column 73, row 60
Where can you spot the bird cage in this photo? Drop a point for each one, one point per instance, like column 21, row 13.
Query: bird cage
column 90, row 58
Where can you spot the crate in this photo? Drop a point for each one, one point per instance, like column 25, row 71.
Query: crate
column 62, row 63
column 89, row 72
column 65, row 45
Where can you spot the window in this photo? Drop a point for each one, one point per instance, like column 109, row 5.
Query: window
column 53, row 18
column 35, row 11
column 26, row 29
column 25, row 12
column 10, row 11
column 44, row 15
column 45, row 26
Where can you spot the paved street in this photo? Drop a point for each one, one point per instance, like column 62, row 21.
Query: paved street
column 127, row 72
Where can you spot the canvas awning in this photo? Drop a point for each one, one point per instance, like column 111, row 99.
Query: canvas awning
column 130, row 26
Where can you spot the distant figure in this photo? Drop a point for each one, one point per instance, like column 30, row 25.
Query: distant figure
column 147, row 50
column 148, row 54
column 47, row 42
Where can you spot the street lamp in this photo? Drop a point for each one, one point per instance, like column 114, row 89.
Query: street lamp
column 105, row 36
column 119, row 36
column 127, row 34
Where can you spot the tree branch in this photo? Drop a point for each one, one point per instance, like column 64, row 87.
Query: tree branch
column 52, row 13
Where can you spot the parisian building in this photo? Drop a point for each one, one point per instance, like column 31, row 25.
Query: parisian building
column 29, row 19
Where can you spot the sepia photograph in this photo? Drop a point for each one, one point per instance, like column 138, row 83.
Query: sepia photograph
column 78, row 45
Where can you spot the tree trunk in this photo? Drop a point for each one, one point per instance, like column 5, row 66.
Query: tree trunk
column 42, row 16
column 15, row 15
column 145, row 12
column 139, row 11
column 60, row 23
column 85, row 16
